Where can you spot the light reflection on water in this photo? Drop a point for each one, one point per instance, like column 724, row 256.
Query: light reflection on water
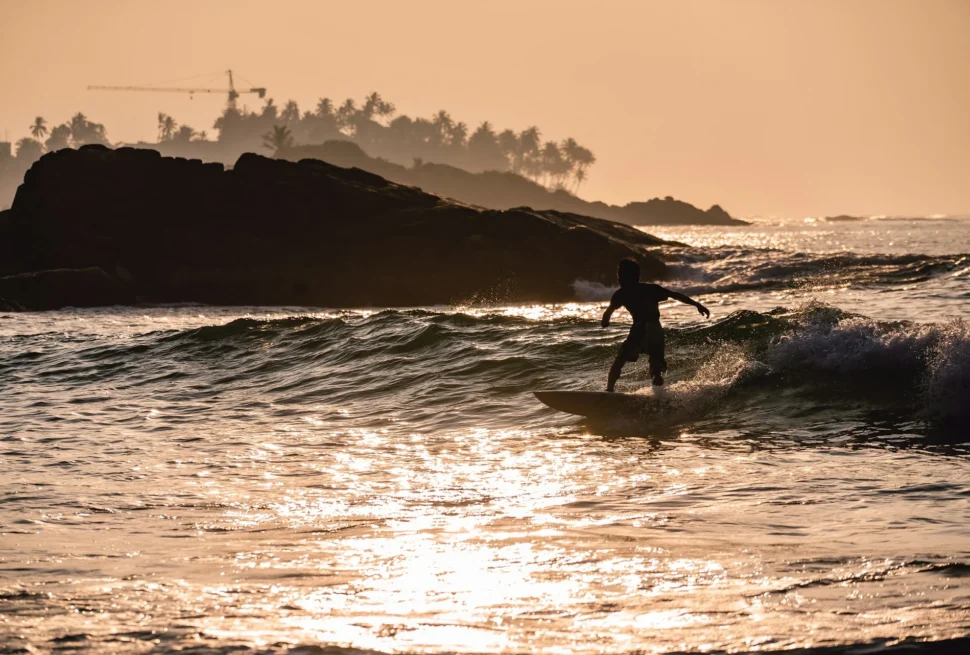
column 385, row 481
column 924, row 236
column 503, row 540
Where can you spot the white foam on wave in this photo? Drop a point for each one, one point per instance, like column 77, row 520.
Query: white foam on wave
column 712, row 382
column 931, row 359
column 588, row 291
column 947, row 383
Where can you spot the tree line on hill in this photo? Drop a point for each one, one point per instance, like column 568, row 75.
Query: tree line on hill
column 373, row 125
column 493, row 169
column 74, row 133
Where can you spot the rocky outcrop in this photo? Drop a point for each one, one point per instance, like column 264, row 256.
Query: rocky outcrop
column 670, row 211
column 498, row 190
column 277, row 232
column 843, row 218
column 53, row 289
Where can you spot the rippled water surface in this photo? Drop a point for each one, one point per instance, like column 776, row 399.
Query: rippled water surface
column 264, row 478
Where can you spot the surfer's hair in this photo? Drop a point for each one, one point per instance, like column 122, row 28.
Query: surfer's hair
column 628, row 269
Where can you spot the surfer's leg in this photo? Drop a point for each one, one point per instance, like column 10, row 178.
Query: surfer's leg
column 615, row 371
column 629, row 352
column 655, row 351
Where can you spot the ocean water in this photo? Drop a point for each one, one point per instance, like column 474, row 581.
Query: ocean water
column 264, row 479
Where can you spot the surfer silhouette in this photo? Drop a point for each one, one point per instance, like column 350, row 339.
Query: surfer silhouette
column 646, row 335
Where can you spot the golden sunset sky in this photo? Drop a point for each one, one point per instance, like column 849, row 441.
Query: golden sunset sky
column 767, row 107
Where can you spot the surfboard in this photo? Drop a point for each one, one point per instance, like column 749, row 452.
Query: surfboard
column 595, row 404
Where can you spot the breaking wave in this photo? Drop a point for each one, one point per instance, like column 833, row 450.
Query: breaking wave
column 449, row 367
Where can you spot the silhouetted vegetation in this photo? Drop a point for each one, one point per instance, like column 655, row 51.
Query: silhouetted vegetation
column 39, row 129
column 279, row 138
column 402, row 139
column 170, row 131
column 74, row 133
column 29, row 149
column 484, row 166
column 373, row 124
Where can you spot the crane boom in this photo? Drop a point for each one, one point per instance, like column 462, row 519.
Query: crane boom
column 175, row 89
column 231, row 92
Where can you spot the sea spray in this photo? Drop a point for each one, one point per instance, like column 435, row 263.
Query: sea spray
column 947, row 382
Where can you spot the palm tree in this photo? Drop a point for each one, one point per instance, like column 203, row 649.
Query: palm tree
column 39, row 128
column 291, row 112
column 457, row 135
column 279, row 139
column 170, row 127
column 166, row 127
column 386, row 109
column 347, row 114
column 528, row 154
column 375, row 105
column 582, row 158
column 553, row 164
column 508, row 143
column 371, row 103
column 570, row 149
column 78, row 125
column 325, row 108
column 529, row 139
column 443, row 124
column 202, row 136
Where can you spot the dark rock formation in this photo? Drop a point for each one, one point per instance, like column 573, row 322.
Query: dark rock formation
column 676, row 212
column 276, row 232
column 496, row 190
column 52, row 289
column 10, row 306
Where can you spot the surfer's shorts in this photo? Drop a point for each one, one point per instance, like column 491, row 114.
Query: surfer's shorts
column 647, row 337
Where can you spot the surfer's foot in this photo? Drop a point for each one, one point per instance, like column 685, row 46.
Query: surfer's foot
column 658, row 380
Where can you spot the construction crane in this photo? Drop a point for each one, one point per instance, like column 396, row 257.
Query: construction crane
column 231, row 92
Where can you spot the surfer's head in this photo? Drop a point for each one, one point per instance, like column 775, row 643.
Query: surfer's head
column 628, row 272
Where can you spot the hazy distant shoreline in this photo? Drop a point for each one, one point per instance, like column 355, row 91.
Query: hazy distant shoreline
column 495, row 169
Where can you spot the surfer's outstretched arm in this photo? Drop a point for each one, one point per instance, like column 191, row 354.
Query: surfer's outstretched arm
column 614, row 305
column 687, row 300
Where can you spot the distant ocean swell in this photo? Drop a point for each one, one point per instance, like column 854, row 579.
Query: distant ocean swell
column 732, row 269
